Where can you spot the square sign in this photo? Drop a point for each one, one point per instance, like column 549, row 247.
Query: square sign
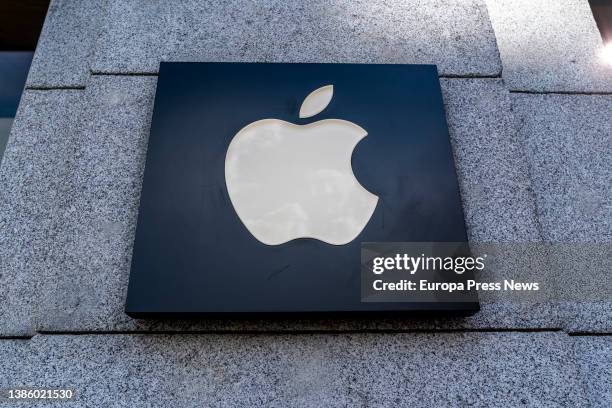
column 263, row 180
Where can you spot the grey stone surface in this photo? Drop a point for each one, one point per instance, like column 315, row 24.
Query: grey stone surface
column 496, row 189
column 71, row 176
column 100, row 216
column 64, row 49
column 568, row 139
column 418, row 370
column 589, row 316
column 594, row 356
column 90, row 285
column 550, row 45
column 584, row 276
column 497, row 195
column 33, row 195
column 5, row 128
column 456, row 35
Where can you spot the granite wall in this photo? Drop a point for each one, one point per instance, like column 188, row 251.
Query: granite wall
column 528, row 101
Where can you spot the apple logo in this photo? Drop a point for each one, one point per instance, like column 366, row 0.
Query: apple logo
column 289, row 181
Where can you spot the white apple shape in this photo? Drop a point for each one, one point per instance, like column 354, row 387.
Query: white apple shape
column 289, row 181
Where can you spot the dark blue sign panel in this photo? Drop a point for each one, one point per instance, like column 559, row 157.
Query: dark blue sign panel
column 263, row 180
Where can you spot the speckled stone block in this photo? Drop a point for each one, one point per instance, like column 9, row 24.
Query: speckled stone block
column 498, row 199
column 100, row 218
column 584, row 286
column 594, row 356
column 65, row 46
column 568, row 139
column 17, row 364
column 550, row 46
column 33, row 197
column 384, row 370
column 454, row 34
column 496, row 189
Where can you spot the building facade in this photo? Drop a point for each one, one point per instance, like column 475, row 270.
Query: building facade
column 528, row 98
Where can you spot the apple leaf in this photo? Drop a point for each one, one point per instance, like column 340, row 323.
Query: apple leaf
column 316, row 101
